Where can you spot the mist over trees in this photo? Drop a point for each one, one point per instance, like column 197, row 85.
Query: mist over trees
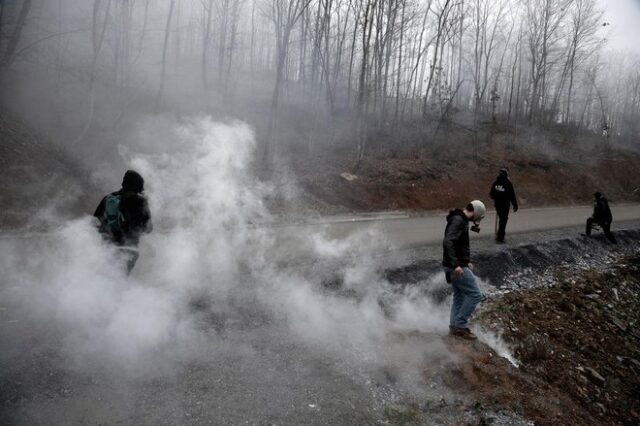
column 318, row 73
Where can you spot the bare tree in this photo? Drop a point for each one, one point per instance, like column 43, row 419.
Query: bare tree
column 207, row 13
column 585, row 22
column 367, row 22
column 400, row 63
column 14, row 39
column 283, row 14
column 163, row 65
column 225, row 16
column 97, row 38
column 443, row 27
column 487, row 19
column 544, row 18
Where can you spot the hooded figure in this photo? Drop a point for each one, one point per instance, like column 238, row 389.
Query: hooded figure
column 601, row 216
column 456, row 260
column 124, row 216
column 503, row 196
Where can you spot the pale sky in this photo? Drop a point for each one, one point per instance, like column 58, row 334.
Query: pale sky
column 624, row 17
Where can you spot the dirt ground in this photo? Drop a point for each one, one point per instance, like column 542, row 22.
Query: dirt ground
column 578, row 348
column 433, row 180
column 38, row 179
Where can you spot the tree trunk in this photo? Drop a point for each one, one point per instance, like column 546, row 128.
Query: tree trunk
column 15, row 35
column 361, row 124
column 163, row 68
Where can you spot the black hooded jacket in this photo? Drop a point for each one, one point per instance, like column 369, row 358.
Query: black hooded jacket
column 503, row 194
column 455, row 245
column 134, row 208
column 601, row 210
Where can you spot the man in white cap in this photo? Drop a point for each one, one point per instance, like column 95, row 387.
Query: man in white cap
column 457, row 266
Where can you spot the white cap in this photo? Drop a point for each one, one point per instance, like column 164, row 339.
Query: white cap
column 479, row 210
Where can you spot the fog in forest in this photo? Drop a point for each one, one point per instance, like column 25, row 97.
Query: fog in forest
column 310, row 76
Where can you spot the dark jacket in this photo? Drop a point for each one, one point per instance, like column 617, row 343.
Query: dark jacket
column 503, row 194
column 137, row 217
column 601, row 211
column 455, row 245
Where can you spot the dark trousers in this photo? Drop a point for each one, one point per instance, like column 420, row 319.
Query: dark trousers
column 128, row 256
column 503, row 218
column 606, row 228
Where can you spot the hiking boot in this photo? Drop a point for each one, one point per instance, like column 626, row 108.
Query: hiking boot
column 463, row 332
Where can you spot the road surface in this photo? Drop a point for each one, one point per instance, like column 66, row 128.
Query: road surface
column 404, row 231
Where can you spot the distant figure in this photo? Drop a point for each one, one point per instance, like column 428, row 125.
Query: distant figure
column 503, row 197
column 601, row 216
column 456, row 260
column 124, row 216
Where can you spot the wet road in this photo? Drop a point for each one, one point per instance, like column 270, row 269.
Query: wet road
column 403, row 231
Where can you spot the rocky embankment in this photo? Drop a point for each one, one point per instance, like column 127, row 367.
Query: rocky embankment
column 567, row 310
column 530, row 265
column 581, row 337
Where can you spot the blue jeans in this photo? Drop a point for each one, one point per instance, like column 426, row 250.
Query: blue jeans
column 466, row 296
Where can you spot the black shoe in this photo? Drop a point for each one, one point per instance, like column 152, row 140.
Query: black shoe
column 462, row 332
column 499, row 241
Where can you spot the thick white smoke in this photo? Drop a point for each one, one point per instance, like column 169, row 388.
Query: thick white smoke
column 211, row 269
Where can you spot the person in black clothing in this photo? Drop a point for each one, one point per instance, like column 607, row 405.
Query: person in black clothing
column 503, row 196
column 124, row 216
column 456, row 260
column 601, row 216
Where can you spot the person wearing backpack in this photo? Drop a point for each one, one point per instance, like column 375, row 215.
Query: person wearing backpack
column 124, row 216
column 456, row 260
column 601, row 216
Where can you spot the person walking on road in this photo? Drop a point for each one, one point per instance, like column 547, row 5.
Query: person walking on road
column 456, row 261
column 503, row 196
column 601, row 216
column 124, row 216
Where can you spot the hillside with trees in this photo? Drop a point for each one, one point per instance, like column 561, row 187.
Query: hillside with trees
column 397, row 93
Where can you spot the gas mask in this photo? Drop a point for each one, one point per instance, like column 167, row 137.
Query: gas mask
column 476, row 227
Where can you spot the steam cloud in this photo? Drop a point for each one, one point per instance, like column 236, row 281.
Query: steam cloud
column 210, row 272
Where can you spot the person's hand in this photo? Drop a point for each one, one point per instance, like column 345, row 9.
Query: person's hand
column 458, row 272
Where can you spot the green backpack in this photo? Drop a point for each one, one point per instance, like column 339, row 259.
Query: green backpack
column 112, row 219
